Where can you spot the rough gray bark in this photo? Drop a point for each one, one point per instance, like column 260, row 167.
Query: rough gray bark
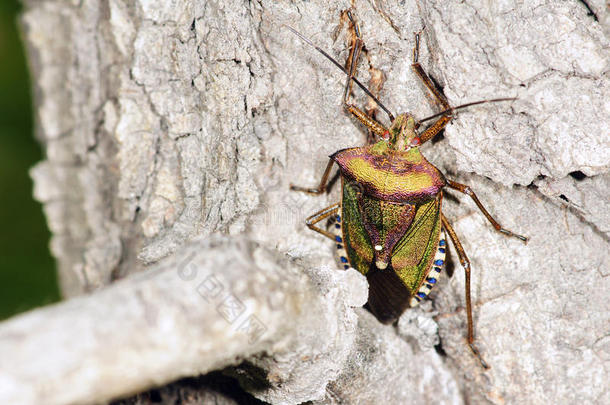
column 183, row 318
column 163, row 122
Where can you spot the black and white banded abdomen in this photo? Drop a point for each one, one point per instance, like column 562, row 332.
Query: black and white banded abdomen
column 340, row 252
column 433, row 275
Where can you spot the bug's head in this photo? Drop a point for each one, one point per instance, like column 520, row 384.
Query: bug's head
column 402, row 133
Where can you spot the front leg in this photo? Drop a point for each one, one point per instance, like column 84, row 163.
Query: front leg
column 369, row 122
column 438, row 97
column 321, row 187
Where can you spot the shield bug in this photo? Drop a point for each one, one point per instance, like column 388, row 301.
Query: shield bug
column 389, row 224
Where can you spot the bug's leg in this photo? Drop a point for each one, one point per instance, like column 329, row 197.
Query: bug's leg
column 352, row 59
column 324, row 213
column 371, row 108
column 435, row 128
column 344, row 70
column 462, row 188
column 439, row 98
column 466, row 265
column 321, row 187
column 375, row 83
column 373, row 125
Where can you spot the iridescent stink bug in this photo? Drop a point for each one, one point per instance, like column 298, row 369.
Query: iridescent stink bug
column 391, row 227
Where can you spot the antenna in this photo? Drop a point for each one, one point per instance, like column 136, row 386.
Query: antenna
column 460, row 107
column 362, row 86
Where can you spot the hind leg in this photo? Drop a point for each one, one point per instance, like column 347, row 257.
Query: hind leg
column 466, row 265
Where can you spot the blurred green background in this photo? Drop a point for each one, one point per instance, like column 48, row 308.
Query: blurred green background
column 27, row 270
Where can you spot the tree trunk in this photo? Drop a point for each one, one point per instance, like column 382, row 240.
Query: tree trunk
column 173, row 131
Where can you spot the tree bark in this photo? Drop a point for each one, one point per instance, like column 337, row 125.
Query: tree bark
column 166, row 124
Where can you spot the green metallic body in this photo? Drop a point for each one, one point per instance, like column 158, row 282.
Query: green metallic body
column 391, row 204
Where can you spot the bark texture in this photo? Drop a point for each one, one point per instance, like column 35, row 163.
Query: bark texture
column 167, row 122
